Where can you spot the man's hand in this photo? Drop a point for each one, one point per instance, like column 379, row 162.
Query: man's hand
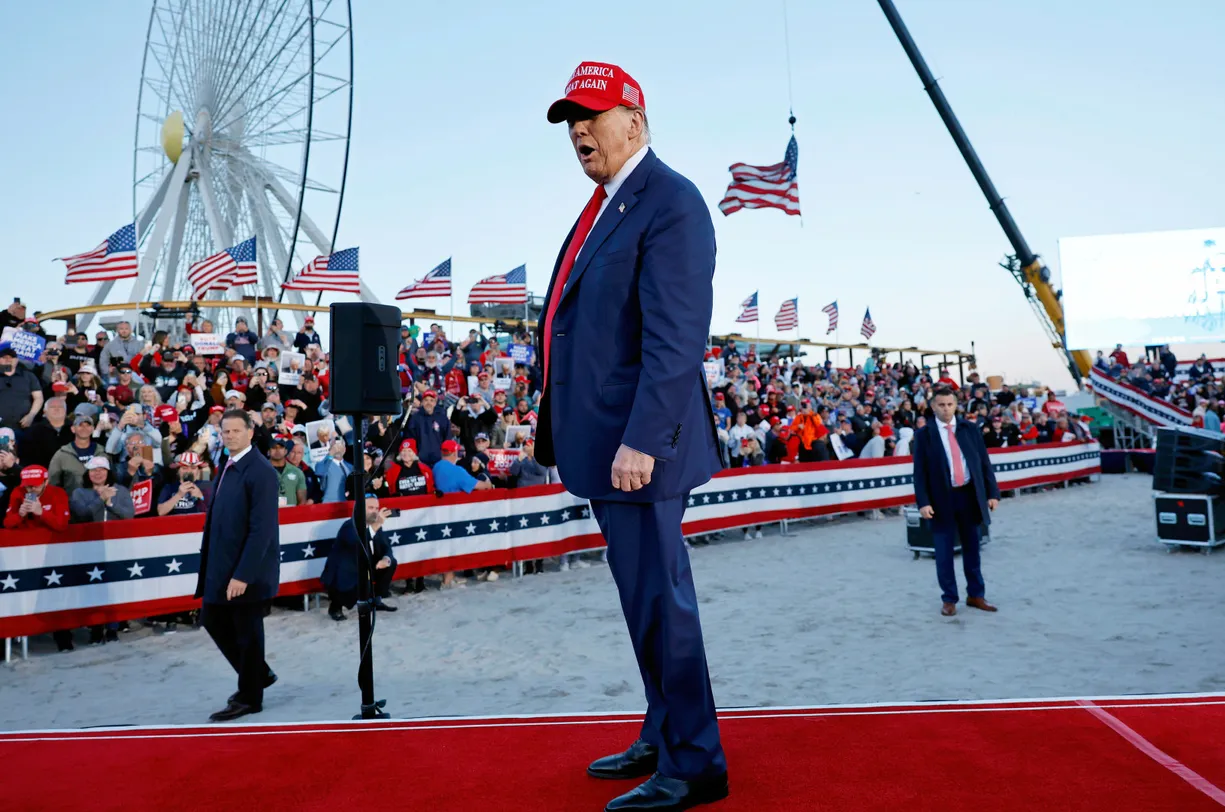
column 36, row 507
column 631, row 470
column 992, row 504
column 27, row 421
column 235, row 589
column 383, row 564
column 927, row 512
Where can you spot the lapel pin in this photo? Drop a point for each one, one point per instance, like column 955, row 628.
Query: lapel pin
column 621, row 208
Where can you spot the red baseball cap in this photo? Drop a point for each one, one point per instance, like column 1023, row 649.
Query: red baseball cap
column 429, row 393
column 33, row 475
column 449, row 447
column 597, row 86
column 166, row 413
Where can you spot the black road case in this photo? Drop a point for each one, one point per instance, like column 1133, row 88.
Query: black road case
column 1189, row 520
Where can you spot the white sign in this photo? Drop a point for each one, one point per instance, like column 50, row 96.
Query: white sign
column 208, row 343
column 1162, row 287
column 714, row 371
column 319, row 437
column 290, row 373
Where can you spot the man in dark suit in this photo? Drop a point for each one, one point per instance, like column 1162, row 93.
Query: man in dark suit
column 955, row 489
column 240, row 569
column 626, row 417
column 340, row 573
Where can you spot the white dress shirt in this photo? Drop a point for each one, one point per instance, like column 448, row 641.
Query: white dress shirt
column 614, row 184
column 236, row 457
column 943, row 431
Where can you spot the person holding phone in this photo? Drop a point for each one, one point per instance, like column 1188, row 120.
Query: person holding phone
column 34, row 503
column 340, row 574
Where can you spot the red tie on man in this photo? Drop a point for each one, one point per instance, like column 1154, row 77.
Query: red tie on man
column 959, row 468
column 585, row 221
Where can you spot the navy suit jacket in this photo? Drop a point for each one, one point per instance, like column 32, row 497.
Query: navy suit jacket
column 340, row 572
column 629, row 337
column 933, row 483
column 241, row 536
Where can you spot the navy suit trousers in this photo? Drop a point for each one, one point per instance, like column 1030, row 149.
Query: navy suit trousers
column 945, row 531
column 650, row 564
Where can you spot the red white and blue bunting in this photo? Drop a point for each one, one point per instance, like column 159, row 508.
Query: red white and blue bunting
column 1136, row 401
column 95, row 573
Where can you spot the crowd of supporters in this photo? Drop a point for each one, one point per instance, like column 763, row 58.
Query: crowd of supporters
column 778, row 410
column 116, row 426
column 96, row 418
column 1196, row 389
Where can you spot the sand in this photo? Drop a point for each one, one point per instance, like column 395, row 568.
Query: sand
column 839, row 612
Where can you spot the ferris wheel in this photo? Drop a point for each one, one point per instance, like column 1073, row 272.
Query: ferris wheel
column 242, row 130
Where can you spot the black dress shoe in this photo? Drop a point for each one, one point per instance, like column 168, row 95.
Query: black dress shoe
column 336, row 614
column 669, row 794
column 382, row 606
column 639, row 760
column 234, row 710
column 269, row 681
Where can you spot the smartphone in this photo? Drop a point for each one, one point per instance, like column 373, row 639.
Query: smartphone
column 394, row 512
column 146, row 452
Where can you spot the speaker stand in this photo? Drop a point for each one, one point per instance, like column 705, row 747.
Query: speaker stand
column 370, row 707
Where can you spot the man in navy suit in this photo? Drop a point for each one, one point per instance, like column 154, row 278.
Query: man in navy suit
column 626, row 417
column 955, row 489
column 240, row 563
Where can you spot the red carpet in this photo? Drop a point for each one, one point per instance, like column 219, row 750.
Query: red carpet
column 1145, row 755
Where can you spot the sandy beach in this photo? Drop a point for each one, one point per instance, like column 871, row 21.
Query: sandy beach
column 838, row 612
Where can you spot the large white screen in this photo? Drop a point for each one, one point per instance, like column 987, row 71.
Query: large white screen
column 1161, row 287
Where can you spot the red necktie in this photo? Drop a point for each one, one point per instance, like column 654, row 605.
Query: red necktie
column 585, row 221
column 959, row 468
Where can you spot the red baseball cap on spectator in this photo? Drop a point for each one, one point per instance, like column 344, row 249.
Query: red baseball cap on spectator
column 764, row 410
column 166, row 413
column 792, row 408
column 597, row 86
column 483, row 375
column 212, row 409
column 520, row 379
column 33, row 475
column 308, row 320
column 409, row 443
column 122, row 395
column 59, row 386
column 719, row 396
column 430, row 393
column 449, row 446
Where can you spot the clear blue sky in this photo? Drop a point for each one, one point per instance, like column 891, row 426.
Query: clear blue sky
column 1092, row 117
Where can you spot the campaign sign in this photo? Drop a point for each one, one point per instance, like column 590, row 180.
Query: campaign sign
column 28, row 346
column 142, row 496
column 500, row 460
column 522, row 353
column 208, row 343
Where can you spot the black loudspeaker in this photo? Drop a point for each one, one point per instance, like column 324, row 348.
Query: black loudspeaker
column 365, row 353
column 1189, row 461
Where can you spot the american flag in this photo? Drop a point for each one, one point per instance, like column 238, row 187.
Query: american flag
column 788, row 316
column 115, row 258
column 869, row 327
column 831, row 310
column 224, row 270
column 436, row 283
column 506, row 288
column 336, row 272
column 748, row 310
column 765, row 187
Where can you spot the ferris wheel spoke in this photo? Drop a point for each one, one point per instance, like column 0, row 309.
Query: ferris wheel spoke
column 233, row 56
column 269, row 100
column 234, row 94
column 224, row 47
